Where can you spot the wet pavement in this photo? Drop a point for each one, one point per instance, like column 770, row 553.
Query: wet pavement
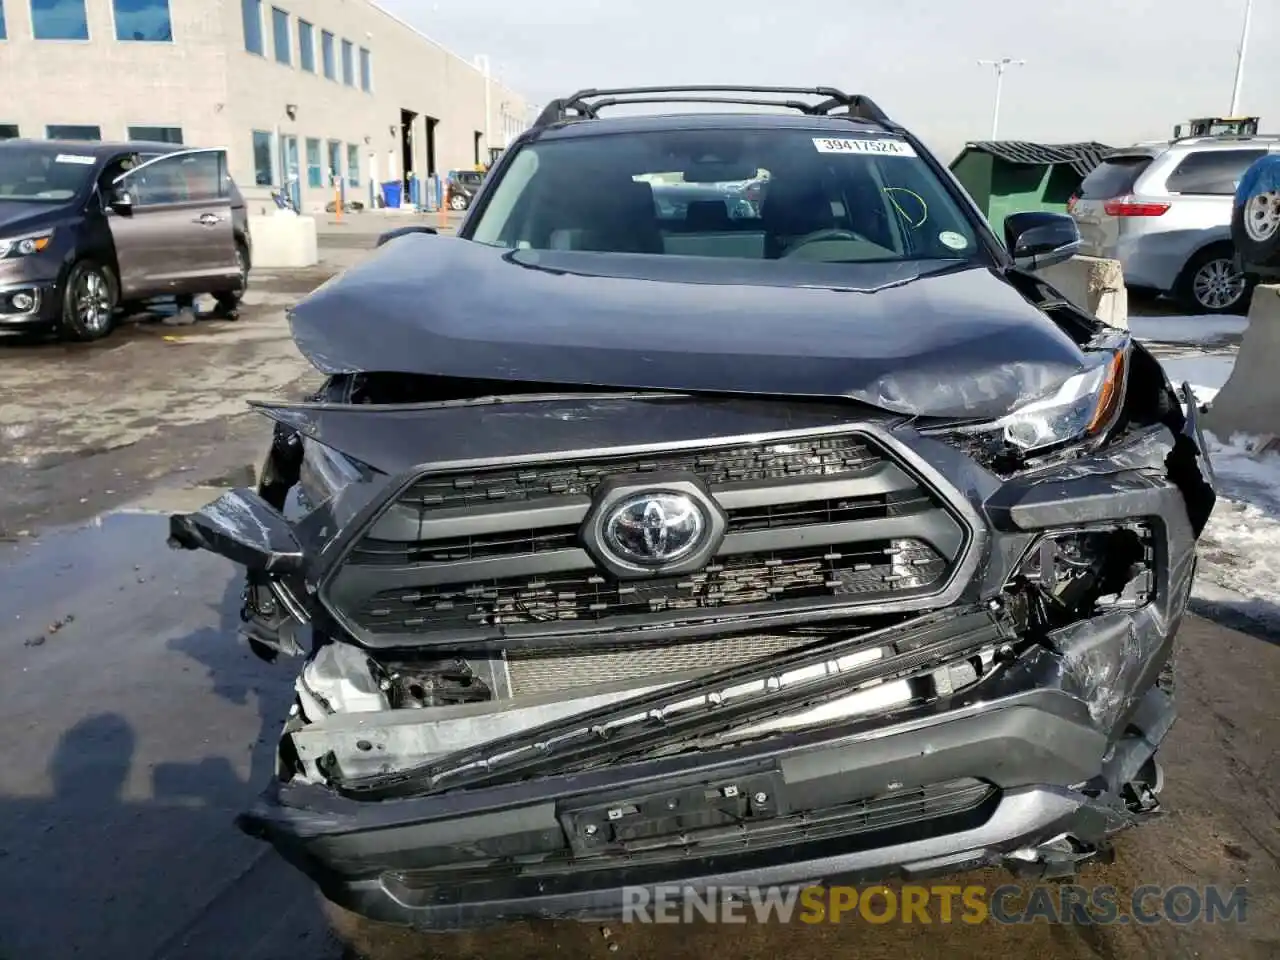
column 139, row 726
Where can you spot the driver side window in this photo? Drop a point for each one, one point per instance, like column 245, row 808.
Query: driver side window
column 181, row 178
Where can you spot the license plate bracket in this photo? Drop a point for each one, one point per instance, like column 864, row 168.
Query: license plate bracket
column 674, row 816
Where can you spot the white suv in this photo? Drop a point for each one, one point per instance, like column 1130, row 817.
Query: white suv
column 1163, row 209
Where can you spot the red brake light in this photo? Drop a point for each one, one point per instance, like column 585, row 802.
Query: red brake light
column 1129, row 207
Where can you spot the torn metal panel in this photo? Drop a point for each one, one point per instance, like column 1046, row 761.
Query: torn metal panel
column 242, row 527
column 920, row 338
column 396, row 438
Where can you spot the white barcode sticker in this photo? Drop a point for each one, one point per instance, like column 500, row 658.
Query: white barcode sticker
column 74, row 158
column 878, row 146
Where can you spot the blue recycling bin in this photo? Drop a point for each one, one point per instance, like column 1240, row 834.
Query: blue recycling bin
column 392, row 191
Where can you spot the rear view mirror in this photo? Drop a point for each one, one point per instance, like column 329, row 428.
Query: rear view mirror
column 1038, row 239
column 718, row 172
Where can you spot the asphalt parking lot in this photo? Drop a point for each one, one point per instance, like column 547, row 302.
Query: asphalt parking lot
column 139, row 725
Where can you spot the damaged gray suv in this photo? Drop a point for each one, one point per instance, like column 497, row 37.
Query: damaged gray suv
column 630, row 546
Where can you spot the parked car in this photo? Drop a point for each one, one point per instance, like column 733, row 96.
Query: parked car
column 88, row 230
column 462, row 188
column 1163, row 209
column 829, row 542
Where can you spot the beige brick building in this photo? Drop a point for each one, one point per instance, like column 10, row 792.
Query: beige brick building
column 296, row 90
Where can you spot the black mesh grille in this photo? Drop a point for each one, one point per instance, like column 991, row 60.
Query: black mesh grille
column 809, row 573
column 808, row 520
column 811, row 457
column 511, row 543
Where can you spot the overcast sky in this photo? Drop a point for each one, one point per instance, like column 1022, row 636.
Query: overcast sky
column 1108, row 70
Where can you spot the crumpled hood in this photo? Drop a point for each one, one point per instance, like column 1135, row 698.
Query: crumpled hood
column 960, row 342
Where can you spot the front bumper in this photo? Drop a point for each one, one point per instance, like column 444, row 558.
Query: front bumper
column 1034, row 767
column 43, row 308
column 1035, row 764
column 1030, row 779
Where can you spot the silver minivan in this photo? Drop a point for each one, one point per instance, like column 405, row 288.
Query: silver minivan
column 1163, row 209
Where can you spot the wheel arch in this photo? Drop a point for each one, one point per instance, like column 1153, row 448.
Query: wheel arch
column 1217, row 243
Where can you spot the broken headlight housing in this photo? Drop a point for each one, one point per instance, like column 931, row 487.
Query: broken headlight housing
column 1083, row 406
column 323, row 474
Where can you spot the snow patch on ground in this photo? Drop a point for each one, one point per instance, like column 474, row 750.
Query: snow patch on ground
column 1240, row 548
column 1206, row 374
column 1238, row 582
column 1207, row 329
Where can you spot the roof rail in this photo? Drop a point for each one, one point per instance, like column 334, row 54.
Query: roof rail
column 1222, row 138
column 586, row 104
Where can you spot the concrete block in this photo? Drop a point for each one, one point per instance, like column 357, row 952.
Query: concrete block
column 1249, row 402
column 258, row 200
column 1094, row 284
column 283, row 239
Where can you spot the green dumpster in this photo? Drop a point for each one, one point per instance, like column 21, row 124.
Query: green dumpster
column 1011, row 176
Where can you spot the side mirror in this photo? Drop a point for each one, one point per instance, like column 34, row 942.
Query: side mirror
column 1038, row 239
column 403, row 231
column 121, row 200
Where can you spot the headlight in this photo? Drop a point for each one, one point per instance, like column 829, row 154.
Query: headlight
column 25, row 246
column 1083, row 406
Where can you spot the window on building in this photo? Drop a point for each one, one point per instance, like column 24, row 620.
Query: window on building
column 353, row 165
column 9, row 131
column 73, row 131
column 326, row 54
column 335, row 159
column 348, row 64
column 59, row 20
column 306, row 46
column 251, row 12
column 185, row 178
column 280, row 36
column 4, row 34
column 263, row 169
column 143, row 20
column 156, row 134
column 315, row 172
column 366, row 70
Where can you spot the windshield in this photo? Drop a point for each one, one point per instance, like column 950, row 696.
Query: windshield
column 43, row 173
column 761, row 194
column 1112, row 178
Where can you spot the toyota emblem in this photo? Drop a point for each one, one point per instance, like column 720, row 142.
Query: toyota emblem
column 654, row 528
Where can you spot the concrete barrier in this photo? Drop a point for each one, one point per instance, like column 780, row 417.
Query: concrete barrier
column 258, row 200
column 283, row 239
column 1249, row 402
column 1094, row 283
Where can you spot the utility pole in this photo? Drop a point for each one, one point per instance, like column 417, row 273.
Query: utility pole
column 1244, row 43
column 1000, row 66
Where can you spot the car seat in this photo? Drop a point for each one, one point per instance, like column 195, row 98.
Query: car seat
column 707, row 216
column 791, row 209
column 618, row 216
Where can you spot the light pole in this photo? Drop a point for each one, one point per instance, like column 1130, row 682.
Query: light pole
column 1244, row 43
column 1000, row 66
